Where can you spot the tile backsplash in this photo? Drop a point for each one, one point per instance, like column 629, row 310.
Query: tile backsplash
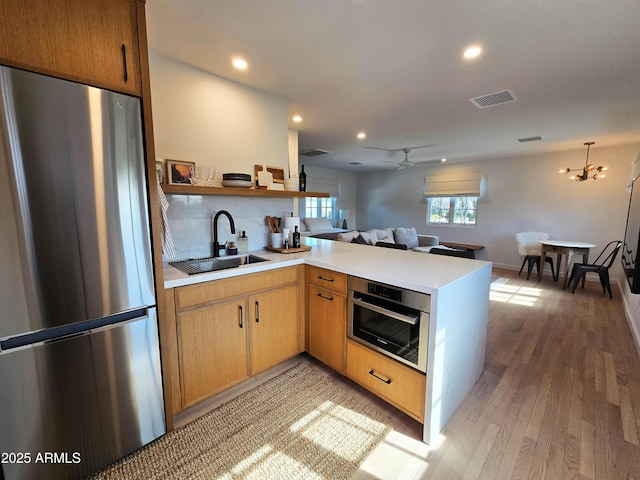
column 190, row 221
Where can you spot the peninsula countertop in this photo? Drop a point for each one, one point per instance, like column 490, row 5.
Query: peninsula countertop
column 416, row 271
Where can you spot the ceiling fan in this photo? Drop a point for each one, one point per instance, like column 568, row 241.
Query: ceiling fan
column 404, row 163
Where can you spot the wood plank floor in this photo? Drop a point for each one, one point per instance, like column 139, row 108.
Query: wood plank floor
column 559, row 397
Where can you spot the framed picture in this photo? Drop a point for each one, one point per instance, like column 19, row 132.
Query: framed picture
column 180, row 172
column 160, row 171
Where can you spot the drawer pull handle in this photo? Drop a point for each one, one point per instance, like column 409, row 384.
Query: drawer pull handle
column 257, row 312
column 382, row 379
column 326, row 298
column 325, row 279
column 240, row 315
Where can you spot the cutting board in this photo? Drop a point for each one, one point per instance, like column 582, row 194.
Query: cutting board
column 288, row 250
column 278, row 173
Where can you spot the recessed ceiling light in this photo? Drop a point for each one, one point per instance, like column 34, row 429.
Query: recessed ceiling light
column 240, row 63
column 296, row 118
column 472, row 51
column 362, row 135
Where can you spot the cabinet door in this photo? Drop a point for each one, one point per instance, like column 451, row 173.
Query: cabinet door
column 93, row 42
column 212, row 345
column 327, row 326
column 274, row 327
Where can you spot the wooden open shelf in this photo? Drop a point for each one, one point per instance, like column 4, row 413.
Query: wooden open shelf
column 242, row 192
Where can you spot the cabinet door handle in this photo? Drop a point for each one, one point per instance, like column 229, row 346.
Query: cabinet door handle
column 257, row 312
column 326, row 298
column 124, row 63
column 240, row 320
column 325, row 279
column 382, row 379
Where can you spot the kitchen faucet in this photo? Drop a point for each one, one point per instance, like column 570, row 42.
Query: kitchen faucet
column 216, row 245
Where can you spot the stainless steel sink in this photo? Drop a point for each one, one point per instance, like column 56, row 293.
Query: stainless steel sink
column 245, row 259
column 194, row 266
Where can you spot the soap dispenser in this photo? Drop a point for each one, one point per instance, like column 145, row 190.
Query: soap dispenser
column 243, row 243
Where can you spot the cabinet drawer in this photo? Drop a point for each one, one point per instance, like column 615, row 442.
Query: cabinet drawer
column 400, row 385
column 328, row 279
column 208, row 292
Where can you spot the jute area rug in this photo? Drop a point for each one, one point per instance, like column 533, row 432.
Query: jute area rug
column 297, row 425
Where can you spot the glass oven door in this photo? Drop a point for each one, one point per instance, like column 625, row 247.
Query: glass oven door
column 387, row 327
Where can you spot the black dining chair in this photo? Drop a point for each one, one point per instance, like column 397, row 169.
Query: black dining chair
column 601, row 267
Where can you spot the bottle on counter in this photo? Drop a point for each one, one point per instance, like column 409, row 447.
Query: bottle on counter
column 243, row 243
column 296, row 238
column 302, row 178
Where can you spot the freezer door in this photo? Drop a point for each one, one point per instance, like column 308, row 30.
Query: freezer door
column 89, row 400
column 73, row 189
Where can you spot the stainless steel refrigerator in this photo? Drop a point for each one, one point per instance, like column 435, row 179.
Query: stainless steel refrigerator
column 80, row 381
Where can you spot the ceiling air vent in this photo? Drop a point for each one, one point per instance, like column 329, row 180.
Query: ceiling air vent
column 492, row 99
column 355, row 163
column 314, row 152
column 530, row 139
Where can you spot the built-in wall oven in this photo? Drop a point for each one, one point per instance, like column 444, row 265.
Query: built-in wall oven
column 390, row 320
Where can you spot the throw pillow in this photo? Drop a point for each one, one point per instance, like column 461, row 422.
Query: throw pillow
column 347, row 236
column 385, row 235
column 359, row 240
column 405, row 235
column 369, row 236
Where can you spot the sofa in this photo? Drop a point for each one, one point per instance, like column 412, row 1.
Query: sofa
column 402, row 238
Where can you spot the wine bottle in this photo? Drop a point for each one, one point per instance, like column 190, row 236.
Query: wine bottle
column 303, row 180
column 296, row 238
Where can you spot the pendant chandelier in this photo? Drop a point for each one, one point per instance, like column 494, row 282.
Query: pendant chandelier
column 587, row 170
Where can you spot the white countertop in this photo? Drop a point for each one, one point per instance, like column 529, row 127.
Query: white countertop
column 421, row 272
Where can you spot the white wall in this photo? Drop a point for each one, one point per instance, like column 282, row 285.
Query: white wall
column 348, row 182
column 212, row 121
column 522, row 193
column 215, row 122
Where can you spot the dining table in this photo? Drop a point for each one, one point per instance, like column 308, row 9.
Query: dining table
column 567, row 248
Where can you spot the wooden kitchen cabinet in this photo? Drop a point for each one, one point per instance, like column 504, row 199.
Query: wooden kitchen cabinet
column 228, row 330
column 93, row 42
column 212, row 342
column 274, row 327
column 327, row 316
column 401, row 386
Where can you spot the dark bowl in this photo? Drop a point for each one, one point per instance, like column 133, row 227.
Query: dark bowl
column 236, row 176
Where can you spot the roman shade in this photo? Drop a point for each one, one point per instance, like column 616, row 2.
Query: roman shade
column 463, row 185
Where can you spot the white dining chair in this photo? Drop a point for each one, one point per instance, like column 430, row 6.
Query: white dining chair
column 529, row 246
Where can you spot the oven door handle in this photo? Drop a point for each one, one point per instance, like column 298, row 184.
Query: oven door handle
column 384, row 311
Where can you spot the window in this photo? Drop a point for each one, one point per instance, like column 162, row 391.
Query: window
column 319, row 207
column 452, row 210
column 452, row 199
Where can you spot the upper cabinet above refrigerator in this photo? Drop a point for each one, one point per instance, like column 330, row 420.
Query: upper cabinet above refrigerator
column 96, row 45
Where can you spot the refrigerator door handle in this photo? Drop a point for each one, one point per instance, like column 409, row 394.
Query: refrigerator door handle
column 68, row 331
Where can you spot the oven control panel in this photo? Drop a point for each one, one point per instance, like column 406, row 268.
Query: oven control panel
column 384, row 292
